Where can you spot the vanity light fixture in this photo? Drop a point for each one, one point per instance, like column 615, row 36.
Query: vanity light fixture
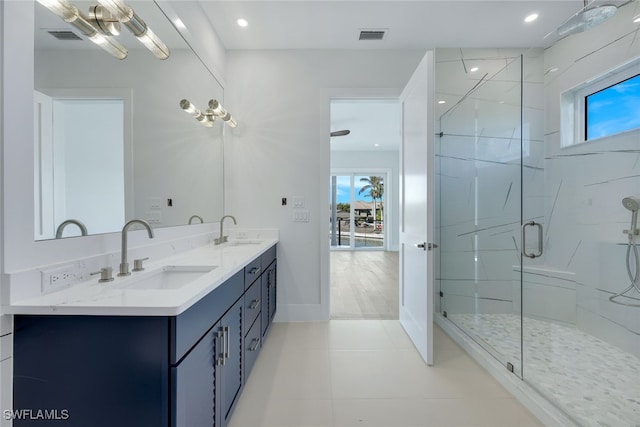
column 128, row 17
column 70, row 14
column 218, row 110
column 204, row 119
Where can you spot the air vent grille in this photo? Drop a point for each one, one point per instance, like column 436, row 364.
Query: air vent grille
column 372, row 34
column 64, row 35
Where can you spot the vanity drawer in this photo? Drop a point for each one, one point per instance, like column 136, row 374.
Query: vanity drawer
column 252, row 303
column 187, row 328
column 252, row 347
column 252, row 271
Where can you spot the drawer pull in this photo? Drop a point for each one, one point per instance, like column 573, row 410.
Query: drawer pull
column 254, row 304
column 255, row 345
column 255, row 270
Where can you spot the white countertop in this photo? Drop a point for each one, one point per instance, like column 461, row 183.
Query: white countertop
column 113, row 298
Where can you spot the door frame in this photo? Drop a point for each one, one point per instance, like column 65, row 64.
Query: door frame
column 324, row 122
column 388, row 194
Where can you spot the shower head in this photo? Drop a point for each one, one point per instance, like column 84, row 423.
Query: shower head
column 586, row 19
column 631, row 203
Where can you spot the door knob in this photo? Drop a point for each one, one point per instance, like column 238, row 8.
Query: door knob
column 426, row 246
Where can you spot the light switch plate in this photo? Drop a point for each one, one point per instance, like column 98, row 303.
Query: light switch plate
column 298, row 202
column 300, row 216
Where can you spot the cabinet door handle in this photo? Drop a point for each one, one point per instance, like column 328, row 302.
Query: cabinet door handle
column 255, row 345
column 255, row 270
column 227, row 342
column 220, row 336
column 254, row 304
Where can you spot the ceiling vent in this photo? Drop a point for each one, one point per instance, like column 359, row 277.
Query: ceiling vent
column 372, row 34
column 64, row 35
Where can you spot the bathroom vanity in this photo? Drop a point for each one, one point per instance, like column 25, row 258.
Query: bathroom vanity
column 171, row 347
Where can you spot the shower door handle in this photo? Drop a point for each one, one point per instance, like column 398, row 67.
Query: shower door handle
column 524, row 239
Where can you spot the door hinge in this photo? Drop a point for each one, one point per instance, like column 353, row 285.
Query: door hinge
column 510, row 367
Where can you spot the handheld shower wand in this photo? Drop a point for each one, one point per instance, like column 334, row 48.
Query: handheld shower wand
column 633, row 204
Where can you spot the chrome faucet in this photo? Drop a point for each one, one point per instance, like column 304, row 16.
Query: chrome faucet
column 222, row 237
column 124, row 265
column 81, row 226
column 196, row 217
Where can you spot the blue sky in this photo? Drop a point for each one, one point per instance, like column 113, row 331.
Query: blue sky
column 343, row 186
column 614, row 109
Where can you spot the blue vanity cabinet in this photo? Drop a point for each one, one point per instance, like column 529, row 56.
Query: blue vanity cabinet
column 130, row 371
column 229, row 367
column 251, row 326
column 195, row 384
column 269, row 289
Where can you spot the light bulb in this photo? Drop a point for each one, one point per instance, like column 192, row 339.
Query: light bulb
column 154, row 44
column 216, row 108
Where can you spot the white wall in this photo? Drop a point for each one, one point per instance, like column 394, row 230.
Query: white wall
column 281, row 148
column 376, row 160
column 585, row 185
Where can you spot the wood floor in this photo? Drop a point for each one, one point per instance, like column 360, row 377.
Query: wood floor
column 364, row 285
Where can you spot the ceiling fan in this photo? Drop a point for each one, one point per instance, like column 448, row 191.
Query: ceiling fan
column 340, row 132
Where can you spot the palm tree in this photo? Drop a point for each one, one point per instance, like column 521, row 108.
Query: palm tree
column 375, row 189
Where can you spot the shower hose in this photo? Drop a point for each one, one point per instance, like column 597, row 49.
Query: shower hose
column 633, row 277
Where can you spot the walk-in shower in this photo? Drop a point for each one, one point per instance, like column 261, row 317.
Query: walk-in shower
column 563, row 324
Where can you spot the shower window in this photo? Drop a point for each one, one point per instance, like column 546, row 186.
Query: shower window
column 603, row 106
column 613, row 110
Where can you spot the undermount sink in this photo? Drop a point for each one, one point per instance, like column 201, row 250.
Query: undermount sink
column 169, row 277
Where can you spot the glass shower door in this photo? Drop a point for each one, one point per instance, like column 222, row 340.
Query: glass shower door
column 480, row 165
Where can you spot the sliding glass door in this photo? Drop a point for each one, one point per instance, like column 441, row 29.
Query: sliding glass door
column 358, row 211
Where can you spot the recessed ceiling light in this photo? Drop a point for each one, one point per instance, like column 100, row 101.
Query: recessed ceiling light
column 376, row 145
column 242, row 22
column 531, row 18
column 442, row 102
column 179, row 24
column 473, row 69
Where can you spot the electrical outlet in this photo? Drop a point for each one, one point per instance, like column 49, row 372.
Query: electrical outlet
column 59, row 277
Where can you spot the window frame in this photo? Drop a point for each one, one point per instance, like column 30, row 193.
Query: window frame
column 573, row 108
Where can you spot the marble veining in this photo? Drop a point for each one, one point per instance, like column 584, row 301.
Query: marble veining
column 594, row 382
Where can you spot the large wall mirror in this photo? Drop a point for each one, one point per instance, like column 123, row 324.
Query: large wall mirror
column 111, row 141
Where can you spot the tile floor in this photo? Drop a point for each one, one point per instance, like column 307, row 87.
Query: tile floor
column 367, row 373
column 579, row 372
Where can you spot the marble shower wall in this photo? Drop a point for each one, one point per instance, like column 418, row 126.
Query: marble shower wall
column 479, row 175
column 585, row 184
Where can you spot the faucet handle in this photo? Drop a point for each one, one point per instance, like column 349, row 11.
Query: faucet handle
column 106, row 274
column 137, row 264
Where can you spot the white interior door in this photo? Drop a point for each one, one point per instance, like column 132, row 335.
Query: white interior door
column 416, row 209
